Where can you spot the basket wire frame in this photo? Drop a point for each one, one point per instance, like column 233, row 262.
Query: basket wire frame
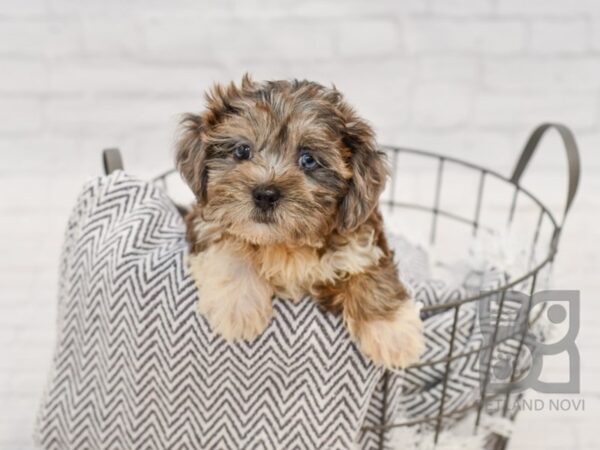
column 530, row 278
column 113, row 161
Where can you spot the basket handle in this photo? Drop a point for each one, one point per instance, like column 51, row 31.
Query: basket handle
column 573, row 160
column 112, row 160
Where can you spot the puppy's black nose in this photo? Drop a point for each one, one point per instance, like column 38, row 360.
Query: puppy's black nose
column 265, row 197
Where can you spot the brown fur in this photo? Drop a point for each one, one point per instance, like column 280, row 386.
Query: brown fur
column 323, row 237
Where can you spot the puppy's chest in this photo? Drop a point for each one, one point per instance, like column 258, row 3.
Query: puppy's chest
column 293, row 271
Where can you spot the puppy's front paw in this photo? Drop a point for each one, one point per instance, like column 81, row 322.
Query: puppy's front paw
column 394, row 343
column 237, row 315
column 233, row 298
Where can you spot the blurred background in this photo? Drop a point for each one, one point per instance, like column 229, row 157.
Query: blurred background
column 469, row 78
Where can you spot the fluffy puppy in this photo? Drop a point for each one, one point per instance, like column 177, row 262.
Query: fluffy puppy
column 287, row 179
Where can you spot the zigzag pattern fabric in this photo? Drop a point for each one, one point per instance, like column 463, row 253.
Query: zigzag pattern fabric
column 136, row 367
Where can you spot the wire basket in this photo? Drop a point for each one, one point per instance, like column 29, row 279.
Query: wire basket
column 540, row 234
column 474, row 213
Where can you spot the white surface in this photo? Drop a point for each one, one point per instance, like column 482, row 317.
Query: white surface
column 464, row 77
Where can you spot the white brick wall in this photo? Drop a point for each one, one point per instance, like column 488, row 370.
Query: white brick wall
column 495, row 36
column 465, row 77
column 560, row 36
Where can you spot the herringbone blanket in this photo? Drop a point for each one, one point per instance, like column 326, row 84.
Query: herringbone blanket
column 137, row 368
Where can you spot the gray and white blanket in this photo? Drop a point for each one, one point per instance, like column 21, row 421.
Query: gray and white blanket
column 135, row 366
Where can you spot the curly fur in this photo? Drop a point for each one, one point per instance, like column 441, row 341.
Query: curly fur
column 323, row 236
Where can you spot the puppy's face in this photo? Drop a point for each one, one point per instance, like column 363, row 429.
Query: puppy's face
column 281, row 162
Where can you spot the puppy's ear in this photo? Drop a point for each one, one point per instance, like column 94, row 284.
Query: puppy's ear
column 369, row 171
column 190, row 156
column 191, row 152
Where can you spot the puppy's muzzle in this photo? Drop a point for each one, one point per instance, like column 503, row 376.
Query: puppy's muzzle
column 265, row 197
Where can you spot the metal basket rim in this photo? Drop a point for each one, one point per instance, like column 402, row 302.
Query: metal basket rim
column 556, row 228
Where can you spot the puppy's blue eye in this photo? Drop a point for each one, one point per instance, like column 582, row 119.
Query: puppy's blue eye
column 307, row 162
column 242, row 152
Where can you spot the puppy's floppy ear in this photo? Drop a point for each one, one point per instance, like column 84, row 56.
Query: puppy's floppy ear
column 191, row 152
column 190, row 156
column 369, row 172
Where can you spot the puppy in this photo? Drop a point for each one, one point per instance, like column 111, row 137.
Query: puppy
column 287, row 179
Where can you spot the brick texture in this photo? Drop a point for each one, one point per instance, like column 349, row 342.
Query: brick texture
column 468, row 78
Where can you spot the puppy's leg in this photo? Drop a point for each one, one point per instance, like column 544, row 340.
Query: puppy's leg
column 379, row 314
column 235, row 300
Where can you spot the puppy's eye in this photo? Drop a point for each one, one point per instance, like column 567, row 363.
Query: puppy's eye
column 307, row 161
column 241, row 152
